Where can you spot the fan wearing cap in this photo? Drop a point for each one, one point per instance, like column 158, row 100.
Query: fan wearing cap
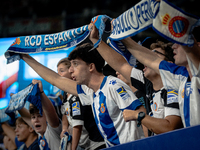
column 163, row 116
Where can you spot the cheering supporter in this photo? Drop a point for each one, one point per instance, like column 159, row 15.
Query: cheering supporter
column 107, row 95
column 163, row 116
column 26, row 134
column 80, row 118
column 47, row 125
column 181, row 77
column 23, row 137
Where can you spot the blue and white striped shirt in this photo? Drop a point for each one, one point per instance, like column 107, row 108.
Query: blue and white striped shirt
column 108, row 104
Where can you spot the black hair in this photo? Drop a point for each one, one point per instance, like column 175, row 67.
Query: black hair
column 85, row 53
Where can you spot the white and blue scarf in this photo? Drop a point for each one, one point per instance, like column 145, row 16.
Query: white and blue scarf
column 56, row 41
column 31, row 94
column 65, row 143
column 166, row 19
column 174, row 24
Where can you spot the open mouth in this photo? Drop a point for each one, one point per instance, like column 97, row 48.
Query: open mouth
column 37, row 126
column 73, row 78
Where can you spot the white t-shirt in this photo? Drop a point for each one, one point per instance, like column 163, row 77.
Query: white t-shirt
column 108, row 104
column 52, row 137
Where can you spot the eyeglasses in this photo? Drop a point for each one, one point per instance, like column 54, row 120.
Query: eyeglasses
column 161, row 53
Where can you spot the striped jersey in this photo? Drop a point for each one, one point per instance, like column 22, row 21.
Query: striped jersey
column 157, row 102
column 108, row 104
column 176, row 79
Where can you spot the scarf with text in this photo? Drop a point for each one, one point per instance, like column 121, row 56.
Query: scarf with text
column 56, row 41
column 166, row 19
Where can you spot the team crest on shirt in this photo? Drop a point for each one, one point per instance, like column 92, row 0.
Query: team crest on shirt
column 155, row 106
column 67, row 112
column 172, row 96
column 102, row 108
column 123, row 93
column 42, row 142
column 76, row 109
column 182, row 93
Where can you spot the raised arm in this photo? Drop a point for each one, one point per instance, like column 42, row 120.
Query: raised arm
column 156, row 125
column 142, row 54
column 9, row 131
column 193, row 53
column 25, row 116
column 50, row 76
column 47, row 106
column 114, row 59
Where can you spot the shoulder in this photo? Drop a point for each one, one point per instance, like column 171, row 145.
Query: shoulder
column 172, row 68
column 34, row 145
column 114, row 81
column 83, row 89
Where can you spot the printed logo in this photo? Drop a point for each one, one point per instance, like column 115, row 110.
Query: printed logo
column 155, row 106
column 178, row 26
column 67, row 112
column 42, row 142
column 102, row 108
column 182, row 93
column 172, row 96
column 17, row 41
column 113, row 82
column 123, row 93
column 76, row 109
column 166, row 19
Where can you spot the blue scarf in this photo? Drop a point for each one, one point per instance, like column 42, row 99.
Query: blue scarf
column 31, row 94
column 56, row 41
column 65, row 141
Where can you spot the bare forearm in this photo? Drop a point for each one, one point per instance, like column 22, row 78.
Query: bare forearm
column 65, row 123
column 142, row 54
column 49, row 110
column 76, row 136
column 9, row 131
column 158, row 125
column 115, row 60
column 51, row 76
column 25, row 116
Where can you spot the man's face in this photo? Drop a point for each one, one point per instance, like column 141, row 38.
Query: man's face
column 179, row 55
column 63, row 71
column 22, row 132
column 80, row 71
column 39, row 122
column 150, row 73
